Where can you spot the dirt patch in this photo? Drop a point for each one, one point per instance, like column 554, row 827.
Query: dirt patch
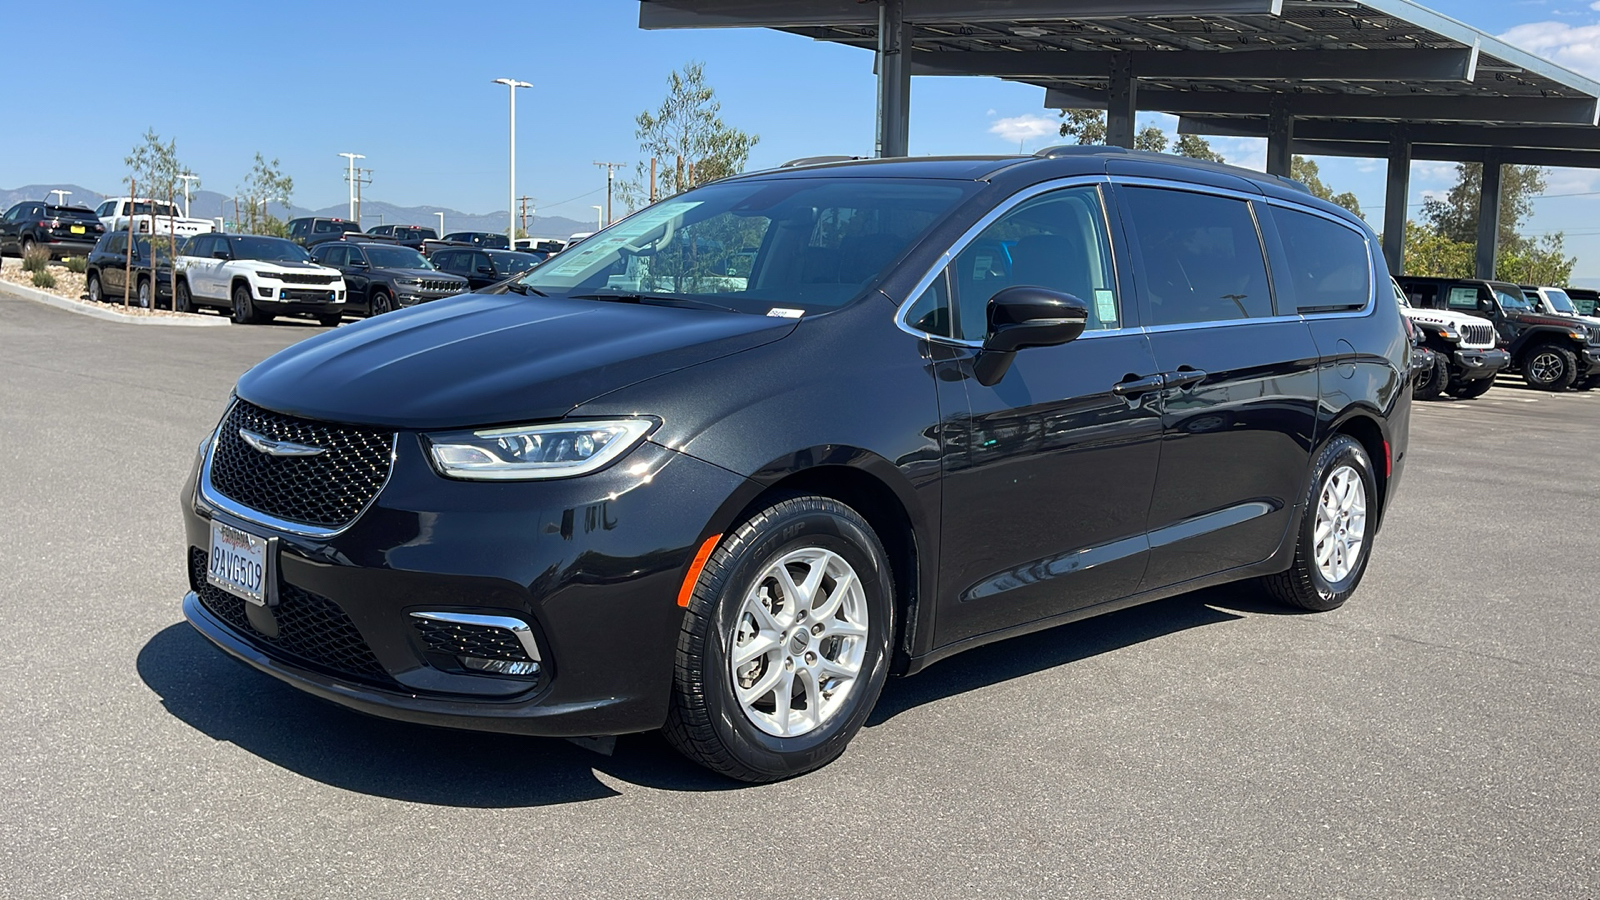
column 72, row 286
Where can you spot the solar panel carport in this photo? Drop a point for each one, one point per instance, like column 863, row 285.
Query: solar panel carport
column 1374, row 78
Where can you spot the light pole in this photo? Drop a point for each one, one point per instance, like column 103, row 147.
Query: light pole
column 352, row 157
column 599, row 217
column 186, row 180
column 511, row 203
column 441, row 223
column 61, row 196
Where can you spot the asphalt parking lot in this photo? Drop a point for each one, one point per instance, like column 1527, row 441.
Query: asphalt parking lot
column 1435, row 738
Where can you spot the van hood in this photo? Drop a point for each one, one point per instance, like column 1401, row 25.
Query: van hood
column 478, row 360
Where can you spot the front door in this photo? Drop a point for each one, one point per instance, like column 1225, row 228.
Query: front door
column 1049, row 474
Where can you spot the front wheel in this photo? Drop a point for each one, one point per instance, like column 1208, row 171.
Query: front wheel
column 244, row 309
column 380, row 304
column 785, row 645
column 1430, row 383
column 1549, row 367
column 329, row 321
column 1466, row 390
column 1335, row 538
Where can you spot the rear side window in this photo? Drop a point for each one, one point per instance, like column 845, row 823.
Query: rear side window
column 1330, row 265
column 1202, row 257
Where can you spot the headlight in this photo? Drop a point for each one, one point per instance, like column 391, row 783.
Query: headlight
column 268, row 275
column 408, row 282
column 535, row 451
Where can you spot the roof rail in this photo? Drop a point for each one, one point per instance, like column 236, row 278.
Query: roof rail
column 817, row 160
column 1061, row 150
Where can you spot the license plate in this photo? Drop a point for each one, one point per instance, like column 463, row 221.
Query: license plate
column 238, row 563
column 78, row 229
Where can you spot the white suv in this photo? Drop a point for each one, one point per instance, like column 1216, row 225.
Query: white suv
column 256, row 278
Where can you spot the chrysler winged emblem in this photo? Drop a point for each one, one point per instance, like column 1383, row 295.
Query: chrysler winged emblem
column 278, row 448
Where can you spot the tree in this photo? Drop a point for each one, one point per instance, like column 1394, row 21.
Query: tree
column 1088, row 126
column 265, row 184
column 155, row 166
column 1455, row 215
column 1196, row 147
column 1305, row 171
column 1447, row 238
column 688, row 138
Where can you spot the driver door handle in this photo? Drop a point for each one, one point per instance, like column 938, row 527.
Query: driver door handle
column 1136, row 386
column 1185, row 378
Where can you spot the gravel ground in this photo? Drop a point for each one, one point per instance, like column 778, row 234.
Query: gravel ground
column 72, row 286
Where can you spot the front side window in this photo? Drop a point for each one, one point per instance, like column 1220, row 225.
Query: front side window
column 106, row 209
column 1330, row 265
column 1513, row 298
column 1056, row 241
column 1202, row 256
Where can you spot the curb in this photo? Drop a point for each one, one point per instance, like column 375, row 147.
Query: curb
column 21, row 292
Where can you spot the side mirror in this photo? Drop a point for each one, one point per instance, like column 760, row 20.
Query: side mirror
column 1484, row 305
column 219, row 254
column 485, row 270
column 1022, row 317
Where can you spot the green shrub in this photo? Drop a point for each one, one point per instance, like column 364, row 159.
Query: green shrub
column 35, row 260
column 43, row 279
column 76, row 264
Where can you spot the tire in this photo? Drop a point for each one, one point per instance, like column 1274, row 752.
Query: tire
column 95, row 296
column 329, row 321
column 381, row 303
column 244, row 309
column 1549, row 367
column 1430, row 384
column 1466, row 390
column 27, row 247
column 1312, row 583
column 143, row 300
column 1586, row 383
column 181, row 296
column 754, row 739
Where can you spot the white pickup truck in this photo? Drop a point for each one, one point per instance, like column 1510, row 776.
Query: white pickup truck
column 149, row 217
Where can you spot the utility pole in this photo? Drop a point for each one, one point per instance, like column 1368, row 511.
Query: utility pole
column 351, row 178
column 652, row 179
column 511, row 210
column 363, row 176
column 611, row 171
column 186, row 180
column 524, row 202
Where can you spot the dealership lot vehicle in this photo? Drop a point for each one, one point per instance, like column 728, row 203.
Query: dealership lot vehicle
column 488, row 240
column 381, row 278
column 682, row 418
column 1584, row 300
column 256, row 278
column 482, row 268
column 109, row 265
column 311, row 231
column 411, row 236
column 1551, row 352
column 150, row 217
column 1460, row 353
column 62, row 230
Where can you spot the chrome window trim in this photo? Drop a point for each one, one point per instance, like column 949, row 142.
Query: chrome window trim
column 219, row 503
column 971, row 234
column 516, row 626
column 1190, row 186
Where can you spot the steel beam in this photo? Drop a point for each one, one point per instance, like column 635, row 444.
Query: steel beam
column 1577, row 159
column 1122, row 104
column 1488, row 219
column 1397, row 189
column 1550, row 137
column 803, row 13
column 894, row 79
column 1296, row 65
column 1406, row 107
column 1280, row 137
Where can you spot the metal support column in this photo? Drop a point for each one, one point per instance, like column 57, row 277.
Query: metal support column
column 1122, row 102
column 894, row 79
column 1488, row 217
column 1280, row 137
column 1394, row 202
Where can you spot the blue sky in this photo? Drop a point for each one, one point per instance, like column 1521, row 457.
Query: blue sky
column 408, row 84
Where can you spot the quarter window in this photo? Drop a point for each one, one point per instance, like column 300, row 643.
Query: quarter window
column 1056, row 241
column 1330, row 266
column 1202, row 256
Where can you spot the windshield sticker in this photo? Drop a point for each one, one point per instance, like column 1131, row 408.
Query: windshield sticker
column 783, row 312
column 1105, row 306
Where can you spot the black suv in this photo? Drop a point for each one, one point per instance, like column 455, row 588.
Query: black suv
column 482, row 268
column 379, row 278
column 946, row 402
column 1551, row 351
column 109, row 266
column 488, row 240
column 63, row 230
column 406, row 235
column 311, row 231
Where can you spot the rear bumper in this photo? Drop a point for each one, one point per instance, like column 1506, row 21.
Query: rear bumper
column 1471, row 365
column 61, row 247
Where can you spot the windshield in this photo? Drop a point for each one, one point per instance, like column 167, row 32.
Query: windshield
column 1585, row 307
column 794, row 244
column 268, row 249
column 1511, row 298
column 396, row 258
column 145, row 208
column 513, row 263
column 1399, row 295
column 1560, row 300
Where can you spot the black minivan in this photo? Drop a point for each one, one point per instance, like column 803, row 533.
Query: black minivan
column 725, row 466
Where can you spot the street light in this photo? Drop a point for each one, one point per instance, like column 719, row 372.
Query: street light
column 61, row 196
column 511, row 204
column 441, row 223
column 599, row 217
column 352, row 179
column 186, row 180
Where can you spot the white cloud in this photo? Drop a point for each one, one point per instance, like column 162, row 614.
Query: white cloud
column 1025, row 127
column 1576, row 47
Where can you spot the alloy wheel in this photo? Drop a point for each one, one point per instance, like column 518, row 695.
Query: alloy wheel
column 94, row 289
column 1546, row 367
column 799, row 642
column 1341, row 524
column 144, row 295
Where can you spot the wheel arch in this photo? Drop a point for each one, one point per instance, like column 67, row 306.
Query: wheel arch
column 1365, row 426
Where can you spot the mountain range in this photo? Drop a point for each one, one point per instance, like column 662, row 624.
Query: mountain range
column 210, row 205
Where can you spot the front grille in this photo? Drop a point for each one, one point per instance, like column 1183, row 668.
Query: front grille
column 1478, row 335
column 1594, row 337
column 444, row 286
column 311, row 628
column 461, row 639
column 296, row 278
column 328, row 490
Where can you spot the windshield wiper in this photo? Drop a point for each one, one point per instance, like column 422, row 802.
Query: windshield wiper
column 635, row 297
column 524, row 289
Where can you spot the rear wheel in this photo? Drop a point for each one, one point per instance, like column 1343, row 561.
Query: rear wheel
column 144, row 293
column 94, row 288
column 1430, row 383
column 27, row 246
column 785, row 645
column 184, row 301
column 1466, row 390
column 1549, row 367
column 1331, row 553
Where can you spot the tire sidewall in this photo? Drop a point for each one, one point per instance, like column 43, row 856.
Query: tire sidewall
column 380, row 304
column 95, row 295
column 143, row 293
column 1568, row 364
column 791, row 530
column 1344, row 451
column 243, row 310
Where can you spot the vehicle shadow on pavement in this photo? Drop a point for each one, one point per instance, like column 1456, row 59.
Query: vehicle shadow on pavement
column 1070, row 643
column 417, row 763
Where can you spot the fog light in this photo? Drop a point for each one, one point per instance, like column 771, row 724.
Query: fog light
column 501, row 666
column 265, row 292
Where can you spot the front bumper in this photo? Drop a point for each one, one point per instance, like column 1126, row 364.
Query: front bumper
column 1589, row 361
column 1472, row 365
column 405, row 296
column 592, row 564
